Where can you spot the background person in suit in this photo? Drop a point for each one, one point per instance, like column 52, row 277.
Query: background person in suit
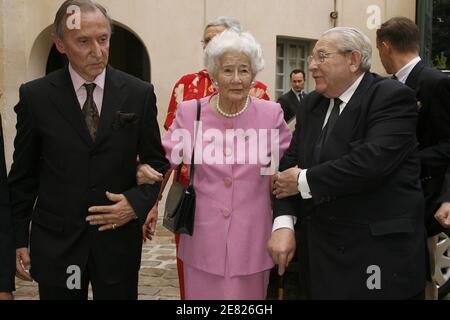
column 7, row 255
column 351, row 177
column 290, row 101
column 79, row 133
column 398, row 47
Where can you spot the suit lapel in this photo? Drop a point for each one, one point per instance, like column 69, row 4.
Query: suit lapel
column 315, row 123
column 66, row 101
column 343, row 128
column 113, row 98
column 413, row 79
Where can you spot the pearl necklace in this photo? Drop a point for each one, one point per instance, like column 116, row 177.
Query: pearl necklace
column 231, row 115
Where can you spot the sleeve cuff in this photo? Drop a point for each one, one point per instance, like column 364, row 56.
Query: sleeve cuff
column 303, row 185
column 284, row 222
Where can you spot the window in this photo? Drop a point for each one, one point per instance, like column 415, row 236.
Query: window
column 440, row 53
column 433, row 19
column 291, row 54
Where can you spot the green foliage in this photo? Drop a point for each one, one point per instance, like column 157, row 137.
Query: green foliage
column 440, row 61
column 441, row 34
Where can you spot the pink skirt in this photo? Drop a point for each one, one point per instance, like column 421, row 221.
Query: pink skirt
column 200, row 285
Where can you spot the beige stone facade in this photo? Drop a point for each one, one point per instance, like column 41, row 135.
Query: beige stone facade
column 171, row 31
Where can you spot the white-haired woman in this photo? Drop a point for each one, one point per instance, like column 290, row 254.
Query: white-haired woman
column 196, row 86
column 227, row 257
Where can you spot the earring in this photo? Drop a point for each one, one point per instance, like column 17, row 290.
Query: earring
column 216, row 84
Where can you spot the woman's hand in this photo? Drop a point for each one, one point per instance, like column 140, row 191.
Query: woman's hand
column 149, row 227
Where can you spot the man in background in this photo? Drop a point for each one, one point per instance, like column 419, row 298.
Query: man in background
column 290, row 101
column 398, row 46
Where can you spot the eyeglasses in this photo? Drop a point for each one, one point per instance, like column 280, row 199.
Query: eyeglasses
column 320, row 57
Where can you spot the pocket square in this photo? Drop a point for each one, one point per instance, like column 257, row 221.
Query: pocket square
column 123, row 120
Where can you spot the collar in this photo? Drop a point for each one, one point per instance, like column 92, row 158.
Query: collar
column 404, row 72
column 348, row 94
column 78, row 80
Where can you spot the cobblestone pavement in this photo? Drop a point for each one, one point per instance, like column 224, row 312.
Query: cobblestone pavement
column 158, row 279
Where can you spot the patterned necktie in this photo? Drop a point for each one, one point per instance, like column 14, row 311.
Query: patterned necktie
column 90, row 111
column 334, row 115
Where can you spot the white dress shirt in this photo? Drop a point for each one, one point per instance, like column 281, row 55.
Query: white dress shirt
column 78, row 84
column 404, row 72
column 287, row 221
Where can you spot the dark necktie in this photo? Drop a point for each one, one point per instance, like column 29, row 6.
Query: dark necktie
column 300, row 96
column 326, row 131
column 90, row 111
column 394, row 77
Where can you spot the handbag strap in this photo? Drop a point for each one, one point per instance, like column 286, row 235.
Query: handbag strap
column 197, row 125
column 180, row 166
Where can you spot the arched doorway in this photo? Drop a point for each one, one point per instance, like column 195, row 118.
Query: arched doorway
column 127, row 53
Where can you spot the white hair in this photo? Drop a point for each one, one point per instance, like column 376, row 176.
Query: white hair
column 227, row 22
column 351, row 39
column 232, row 41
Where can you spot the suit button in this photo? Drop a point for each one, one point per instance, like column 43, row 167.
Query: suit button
column 227, row 182
column 332, row 218
column 94, row 188
column 226, row 213
column 227, row 152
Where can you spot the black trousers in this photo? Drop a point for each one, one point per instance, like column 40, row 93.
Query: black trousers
column 127, row 289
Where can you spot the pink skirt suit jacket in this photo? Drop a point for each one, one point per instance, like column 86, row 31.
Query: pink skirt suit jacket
column 233, row 219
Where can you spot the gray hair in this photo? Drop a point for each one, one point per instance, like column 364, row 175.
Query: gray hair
column 85, row 6
column 228, row 22
column 232, row 41
column 351, row 39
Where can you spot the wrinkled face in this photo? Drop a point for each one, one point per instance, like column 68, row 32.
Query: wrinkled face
column 210, row 33
column 87, row 48
column 332, row 70
column 298, row 82
column 383, row 51
column 234, row 76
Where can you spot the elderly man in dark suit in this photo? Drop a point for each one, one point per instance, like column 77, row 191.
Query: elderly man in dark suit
column 351, row 179
column 290, row 101
column 80, row 131
column 398, row 46
column 7, row 254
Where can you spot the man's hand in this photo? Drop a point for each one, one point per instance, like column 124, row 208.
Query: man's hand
column 286, row 183
column 443, row 215
column 282, row 248
column 23, row 263
column 113, row 216
column 147, row 175
column 6, row 296
column 149, row 227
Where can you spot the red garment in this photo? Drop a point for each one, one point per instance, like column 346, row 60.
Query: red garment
column 189, row 87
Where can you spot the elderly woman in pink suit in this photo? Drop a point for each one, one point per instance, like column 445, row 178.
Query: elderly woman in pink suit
column 239, row 139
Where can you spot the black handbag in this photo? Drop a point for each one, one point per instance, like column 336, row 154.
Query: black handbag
column 179, row 213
